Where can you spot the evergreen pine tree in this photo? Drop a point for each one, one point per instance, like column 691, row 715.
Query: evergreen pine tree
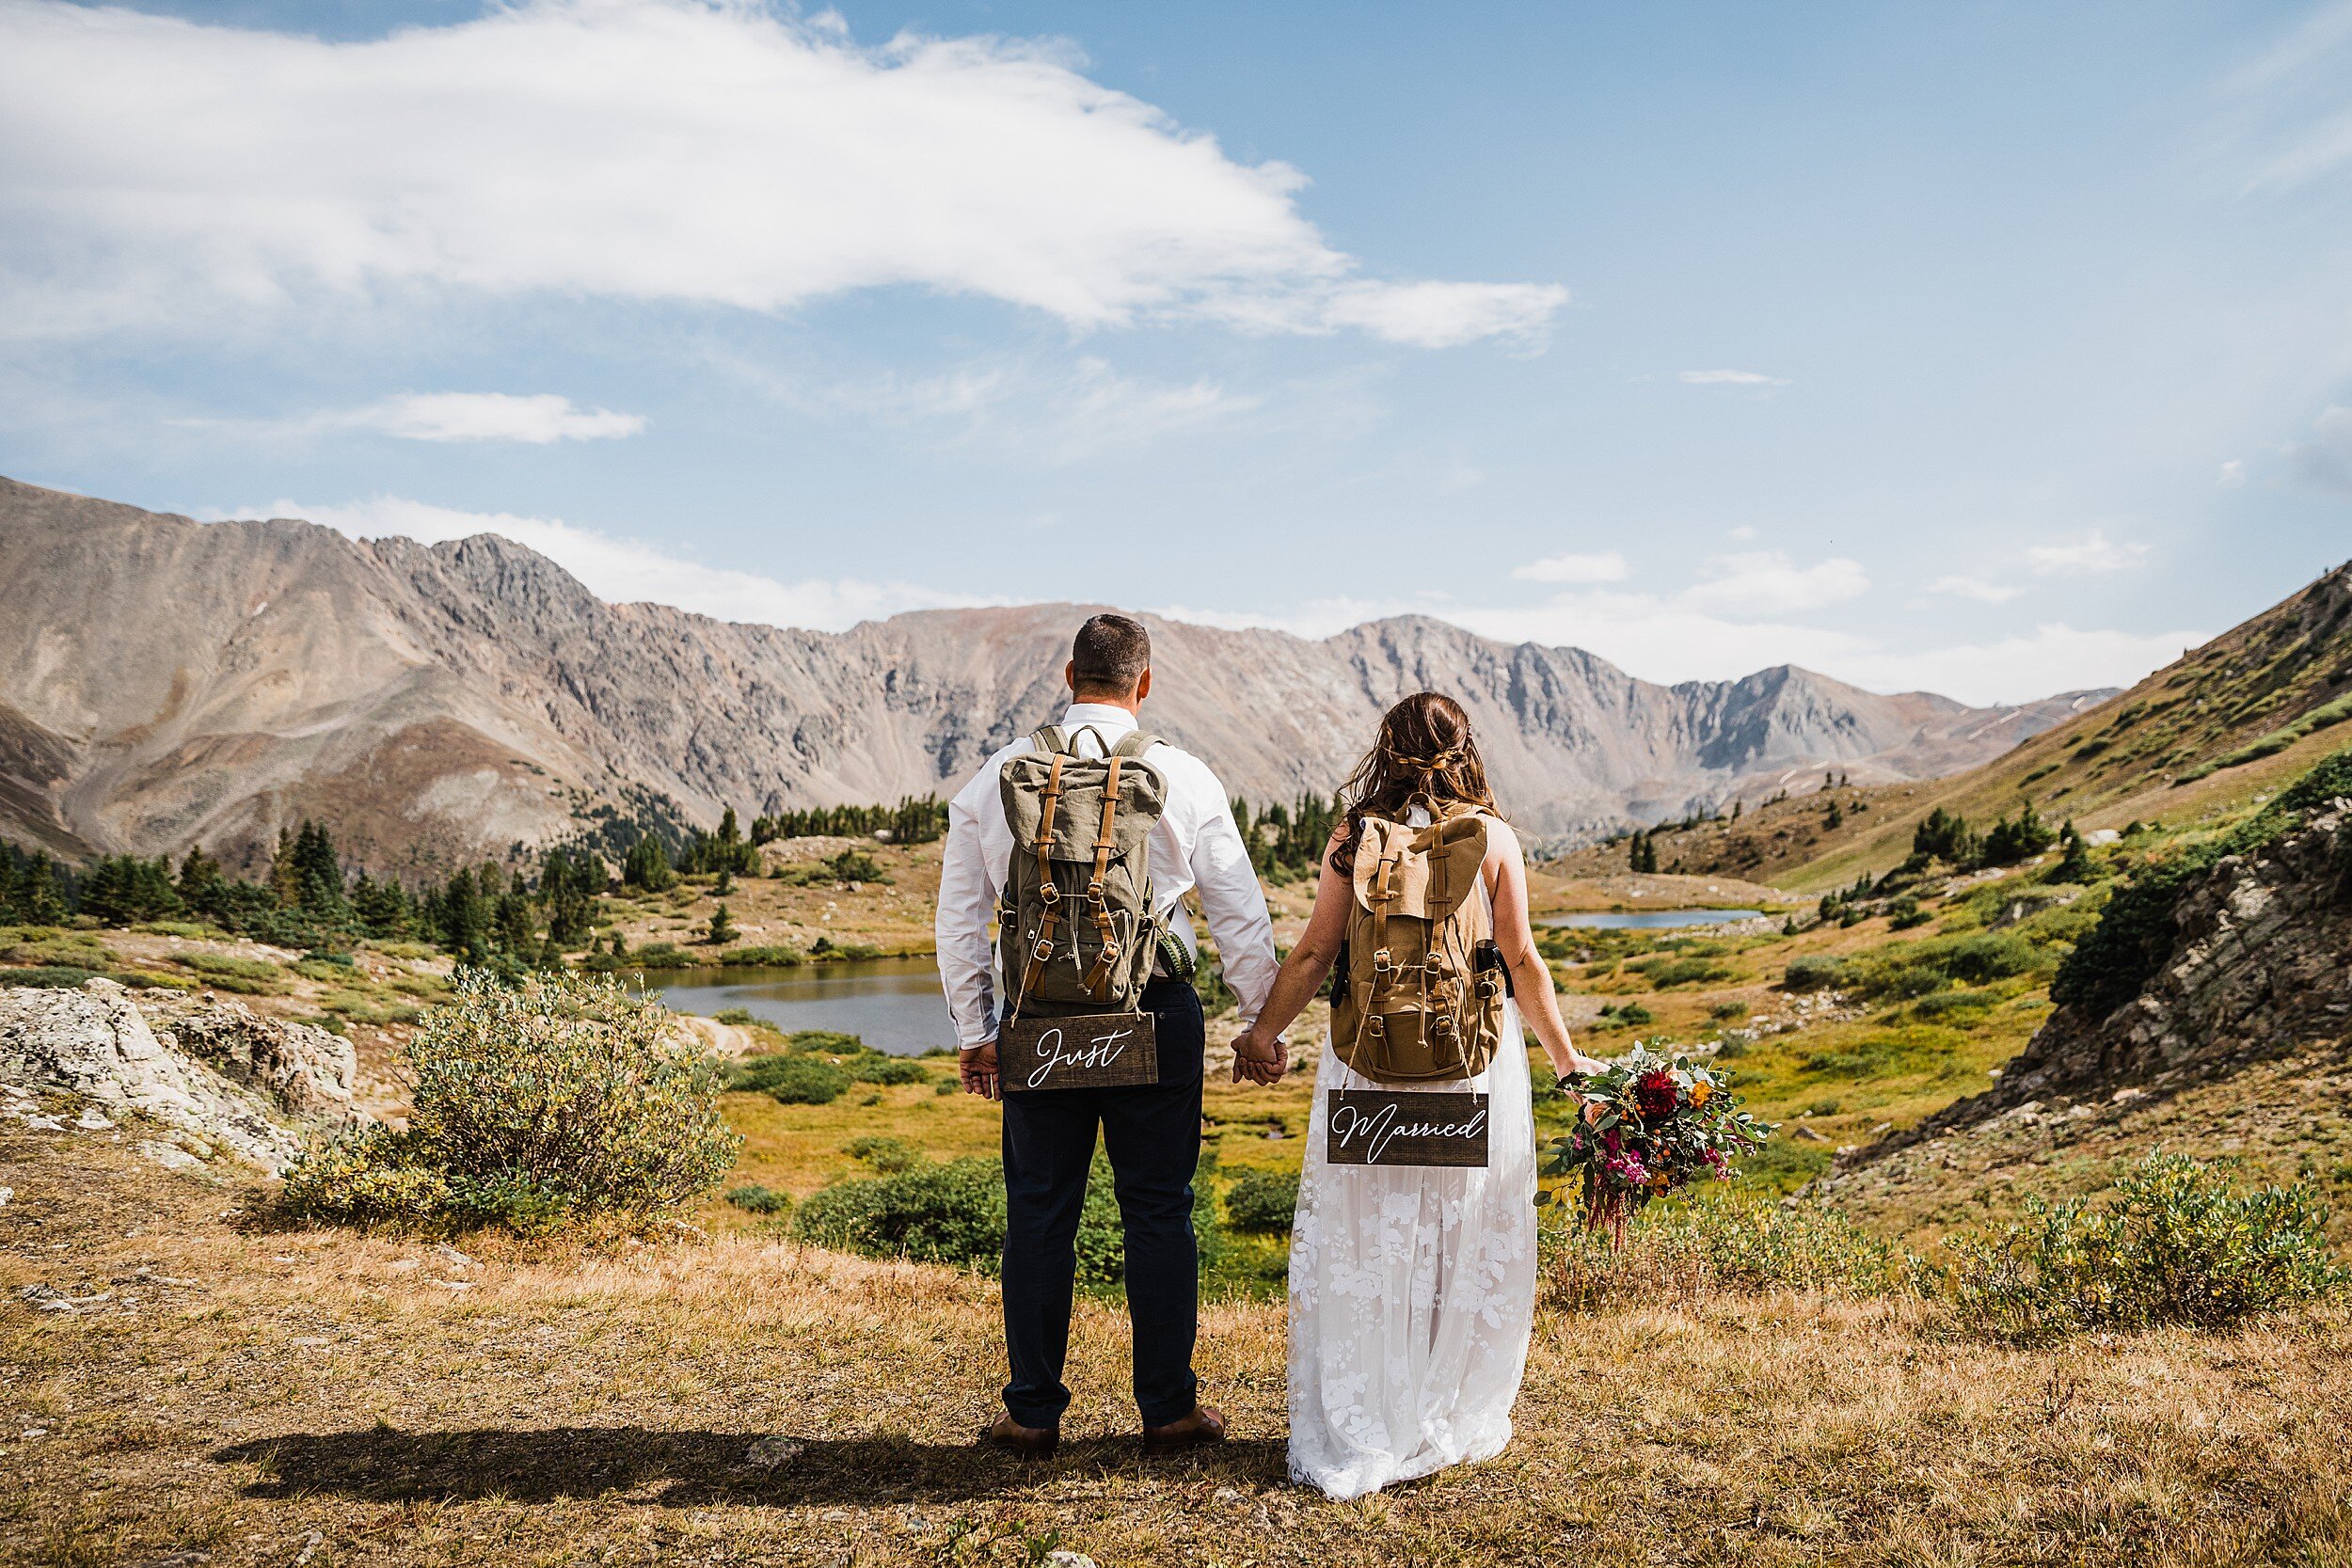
column 721, row 927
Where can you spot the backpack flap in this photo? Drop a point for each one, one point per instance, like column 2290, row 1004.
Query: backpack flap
column 1080, row 925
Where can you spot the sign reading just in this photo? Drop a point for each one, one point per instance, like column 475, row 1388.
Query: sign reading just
column 1374, row 1127
column 1094, row 1051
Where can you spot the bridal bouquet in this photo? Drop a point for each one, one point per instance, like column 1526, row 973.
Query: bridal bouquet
column 1647, row 1125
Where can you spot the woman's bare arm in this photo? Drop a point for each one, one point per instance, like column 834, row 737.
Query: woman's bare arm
column 1302, row 975
column 1531, row 977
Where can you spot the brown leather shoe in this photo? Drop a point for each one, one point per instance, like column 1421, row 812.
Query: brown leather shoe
column 1024, row 1442
column 1205, row 1425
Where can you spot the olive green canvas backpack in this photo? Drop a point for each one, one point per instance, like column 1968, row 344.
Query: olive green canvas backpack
column 1076, row 925
column 1419, row 996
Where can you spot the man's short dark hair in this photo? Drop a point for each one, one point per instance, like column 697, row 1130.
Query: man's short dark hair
column 1108, row 656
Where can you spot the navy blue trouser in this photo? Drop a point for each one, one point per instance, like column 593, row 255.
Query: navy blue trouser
column 1152, row 1133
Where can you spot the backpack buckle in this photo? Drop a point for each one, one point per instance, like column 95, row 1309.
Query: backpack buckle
column 1383, row 963
column 1043, row 950
column 1048, row 893
column 1376, row 1026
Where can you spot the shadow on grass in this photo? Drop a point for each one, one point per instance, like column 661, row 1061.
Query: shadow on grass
column 675, row 1469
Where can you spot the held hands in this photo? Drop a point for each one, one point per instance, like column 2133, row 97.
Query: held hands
column 1259, row 1056
column 976, row 1067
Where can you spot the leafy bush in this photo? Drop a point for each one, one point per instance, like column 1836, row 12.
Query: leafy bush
column 1261, row 1201
column 49, row 976
column 953, row 1211
column 790, row 1078
column 2175, row 1244
column 1691, row 1251
column 883, row 1153
column 755, row 1198
column 557, row 1099
column 764, row 957
column 1728, row 1010
column 1665, row 972
column 875, row 1066
column 663, row 954
column 1815, row 972
column 740, row 1017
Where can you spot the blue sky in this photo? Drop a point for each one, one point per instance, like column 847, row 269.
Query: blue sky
column 1990, row 349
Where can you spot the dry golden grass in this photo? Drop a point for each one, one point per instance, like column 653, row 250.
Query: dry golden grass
column 254, row 1392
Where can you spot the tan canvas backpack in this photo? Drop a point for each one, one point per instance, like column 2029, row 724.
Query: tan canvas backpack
column 1076, row 924
column 1420, row 994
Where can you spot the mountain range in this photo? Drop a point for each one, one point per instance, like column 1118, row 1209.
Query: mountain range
column 165, row 682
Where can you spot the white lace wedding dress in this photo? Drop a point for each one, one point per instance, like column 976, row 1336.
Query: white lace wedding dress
column 1412, row 1294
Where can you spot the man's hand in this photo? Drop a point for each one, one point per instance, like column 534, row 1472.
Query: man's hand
column 976, row 1067
column 1257, row 1058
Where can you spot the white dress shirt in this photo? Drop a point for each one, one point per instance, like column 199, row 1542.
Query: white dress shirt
column 1194, row 844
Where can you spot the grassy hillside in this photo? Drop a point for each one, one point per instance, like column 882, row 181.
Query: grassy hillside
column 2199, row 737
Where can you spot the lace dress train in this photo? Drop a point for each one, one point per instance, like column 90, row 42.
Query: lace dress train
column 1412, row 1294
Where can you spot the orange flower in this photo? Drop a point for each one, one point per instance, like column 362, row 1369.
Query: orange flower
column 1700, row 1090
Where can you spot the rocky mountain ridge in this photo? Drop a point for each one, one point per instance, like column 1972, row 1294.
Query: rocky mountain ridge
column 165, row 682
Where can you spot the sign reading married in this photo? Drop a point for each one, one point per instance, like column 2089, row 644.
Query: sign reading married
column 1094, row 1051
column 1374, row 1127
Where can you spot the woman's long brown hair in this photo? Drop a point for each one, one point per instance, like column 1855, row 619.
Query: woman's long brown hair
column 1424, row 756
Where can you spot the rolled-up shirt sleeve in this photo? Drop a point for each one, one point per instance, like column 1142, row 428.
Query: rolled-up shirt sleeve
column 966, row 901
column 1236, row 907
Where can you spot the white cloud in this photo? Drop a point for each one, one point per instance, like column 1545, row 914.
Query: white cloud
column 718, row 154
column 1766, row 583
column 1731, row 378
column 539, row 419
column 631, row 570
column 1976, row 589
column 1608, row 566
column 1743, row 533
column 1052, row 416
column 2233, row 473
column 2051, row 658
column 2094, row 552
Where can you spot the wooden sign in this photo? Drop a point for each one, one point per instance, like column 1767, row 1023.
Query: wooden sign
column 1093, row 1050
column 1375, row 1127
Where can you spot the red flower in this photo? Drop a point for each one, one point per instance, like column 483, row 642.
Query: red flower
column 1656, row 1093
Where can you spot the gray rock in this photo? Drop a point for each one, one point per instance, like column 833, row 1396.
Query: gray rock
column 94, row 1042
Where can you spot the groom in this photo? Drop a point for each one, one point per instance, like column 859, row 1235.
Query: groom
column 1151, row 1131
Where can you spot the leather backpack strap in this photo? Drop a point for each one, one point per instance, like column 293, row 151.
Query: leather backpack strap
column 1108, row 954
column 1047, row 892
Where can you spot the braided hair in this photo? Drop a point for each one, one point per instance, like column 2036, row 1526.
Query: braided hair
column 1424, row 755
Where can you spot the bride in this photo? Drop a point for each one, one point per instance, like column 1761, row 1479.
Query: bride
column 1412, row 1288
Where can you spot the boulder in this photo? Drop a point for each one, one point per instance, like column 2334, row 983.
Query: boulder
column 272, row 1078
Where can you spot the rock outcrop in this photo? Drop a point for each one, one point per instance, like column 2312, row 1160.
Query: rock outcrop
column 2261, row 965
column 249, row 1085
column 165, row 682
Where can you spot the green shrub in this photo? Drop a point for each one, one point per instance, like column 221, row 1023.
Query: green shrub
column 953, row 1211
column 49, row 976
column 231, row 966
column 1815, row 972
column 1726, row 1011
column 947, row 1213
column 874, row 1067
column 885, row 1154
column 663, row 954
column 764, row 957
column 192, row 931
column 1954, row 1007
column 1261, row 1201
column 555, row 1099
column 331, row 973
column 1884, row 1053
column 740, row 1017
column 789, row 1078
column 2175, row 1243
column 1691, row 1251
column 831, row 1040
column 1665, row 972
column 753, row 1198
